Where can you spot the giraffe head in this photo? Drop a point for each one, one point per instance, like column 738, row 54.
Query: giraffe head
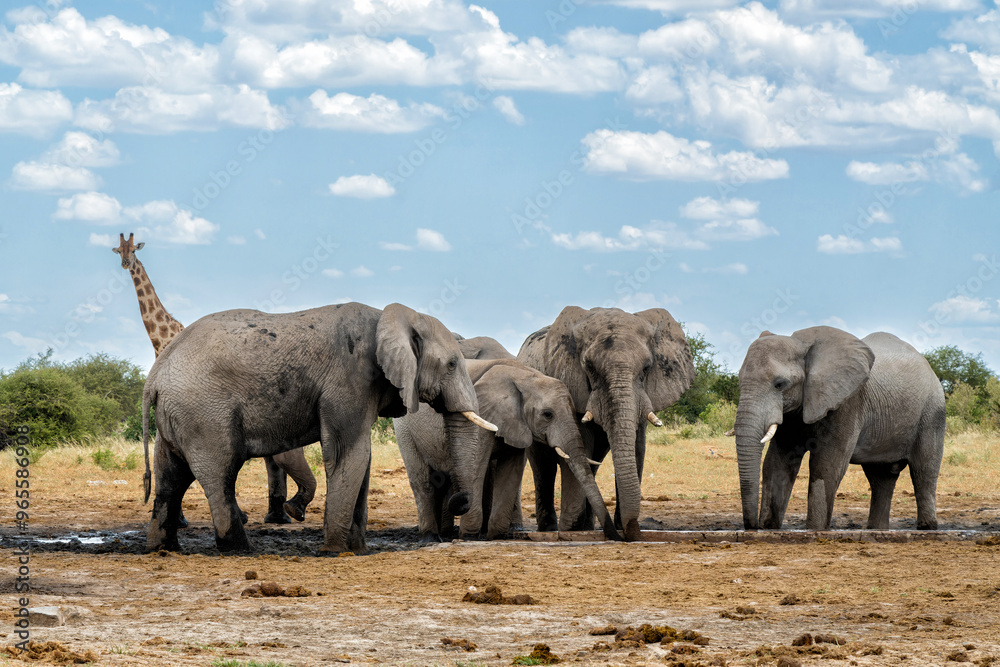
column 127, row 250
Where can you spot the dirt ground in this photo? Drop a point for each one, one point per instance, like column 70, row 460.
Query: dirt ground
column 923, row 603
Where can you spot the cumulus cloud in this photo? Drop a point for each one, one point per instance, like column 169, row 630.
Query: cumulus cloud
column 45, row 177
column 505, row 105
column 963, row 309
column 89, row 206
column 34, row 112
column 79, row 149
column 944, row 165
column 375, row 113
column 427, row 239
column 362, row 187
column 845, row 245
column 656, row 235
column 726, row 220
column 152, row 110
column 362, row 272
column 662, row 156
column 161, row 220
column 102, row 240
column 872, row 8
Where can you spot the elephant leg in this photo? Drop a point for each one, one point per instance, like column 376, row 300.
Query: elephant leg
column 506, row 493
column 781, row 466
column 443, row 490
column 173, row 477
column 882, row 479
column 489, row 491
column 294, row 463
column 640, row 459
column 543, row 470
column 925, row 463
column 419, row 474
column 347, row 462
column 218, row 479
column 277, row 491
column 827, row 466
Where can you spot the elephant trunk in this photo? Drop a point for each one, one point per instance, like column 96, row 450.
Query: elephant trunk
column 462, row 437
column 751, row 424
column 580, row 466
column 622, row 438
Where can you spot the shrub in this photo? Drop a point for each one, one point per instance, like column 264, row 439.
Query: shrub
column 719, row 417
column 132, row 429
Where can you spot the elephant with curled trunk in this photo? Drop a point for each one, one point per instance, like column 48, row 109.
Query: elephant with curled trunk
column 242, row 383
column 875, row 402
column 528, row 408
column 620, row 369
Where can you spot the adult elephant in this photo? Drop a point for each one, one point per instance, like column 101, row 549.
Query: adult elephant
column 620, row 368
column 875, row 402
column 483, row 347
column 243, row 383
column 527, row 408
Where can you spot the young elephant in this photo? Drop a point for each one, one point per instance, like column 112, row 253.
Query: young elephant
column 243, row 383
column 874, row 402
column 528, row 407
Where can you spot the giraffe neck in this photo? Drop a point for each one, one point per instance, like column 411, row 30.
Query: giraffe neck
column 160, row 325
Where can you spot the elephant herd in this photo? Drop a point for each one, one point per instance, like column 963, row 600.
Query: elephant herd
column 468, row 416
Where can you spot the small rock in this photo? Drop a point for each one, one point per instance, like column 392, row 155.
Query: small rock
column 46, row 617
column 250, row 574
column 606, row 630
column 297, row 592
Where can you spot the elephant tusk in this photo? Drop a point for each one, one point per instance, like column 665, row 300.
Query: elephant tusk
column 770, row 434
column 588, row 416
column 479, row 421
column 593, row 462
column 653, row 419
column 561, row 453
column 730, row 433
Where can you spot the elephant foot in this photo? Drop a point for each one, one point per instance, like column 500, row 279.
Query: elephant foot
column 182, row 522
column 632, row 533
column 276, row 511
column 430, row 538
column 233, row 545
column 296, row 509
column 158, row 540
column 927, row 525
column 271, row 517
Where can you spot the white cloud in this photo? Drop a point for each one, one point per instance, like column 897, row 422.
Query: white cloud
column 963, row 309
column 726, row 220
column 68, row 50
column 943, row 165
column 236, row 240
column 873, row 8
column 505, row 105
column 428, row 239
column 91, row 206
column 735, row 269
column 47, row 177
column 161, row 220
column 9, row 307
column 79, row 149
column 375, row 113
column 333, row 273
column 34, row 112
column 152, row 110
column 362, row 187
column 663, row 156
column 672, row 6
column 844, row 245
column 706, row 208
column 656, row 235
column 259, row 233
column 362, row 272
column 634, row 302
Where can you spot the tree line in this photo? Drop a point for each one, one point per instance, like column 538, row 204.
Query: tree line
column 101, row 395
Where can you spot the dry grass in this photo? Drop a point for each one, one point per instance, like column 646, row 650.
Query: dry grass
column 679, row 464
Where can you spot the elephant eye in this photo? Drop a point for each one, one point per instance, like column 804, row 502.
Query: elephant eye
column 452, row 364
column 781, row 384
column 547, row 414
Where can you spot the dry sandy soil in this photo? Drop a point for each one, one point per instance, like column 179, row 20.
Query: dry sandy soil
column 921, row 603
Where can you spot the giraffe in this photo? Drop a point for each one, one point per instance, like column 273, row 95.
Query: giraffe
column 163, row 328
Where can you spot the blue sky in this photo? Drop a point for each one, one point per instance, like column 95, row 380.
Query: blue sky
column 745, row 165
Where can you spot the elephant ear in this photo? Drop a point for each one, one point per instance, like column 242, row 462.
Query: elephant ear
column 837, row 364
column 398, row 351
column 673, row 365
column 561, row 356
column 501, row 403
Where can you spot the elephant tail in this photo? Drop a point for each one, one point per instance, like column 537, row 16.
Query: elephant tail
column 148, row 396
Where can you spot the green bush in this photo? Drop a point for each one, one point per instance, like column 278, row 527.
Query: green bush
column 105, row 459
column 132, row 430
column 719, row 417
column 711, row 384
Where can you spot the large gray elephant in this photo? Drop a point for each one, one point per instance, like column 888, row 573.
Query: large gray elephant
column 620, row 369
column 483, row 347
column 527, row 407
column 875, row 402
column 242, row 383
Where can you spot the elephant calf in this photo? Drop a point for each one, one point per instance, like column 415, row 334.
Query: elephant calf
column 875, row 402
column 527, row 407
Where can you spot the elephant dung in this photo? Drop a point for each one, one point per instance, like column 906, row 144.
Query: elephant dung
column 493, row 595
column 50, row 652
column 463, row 644
column 541, row 654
